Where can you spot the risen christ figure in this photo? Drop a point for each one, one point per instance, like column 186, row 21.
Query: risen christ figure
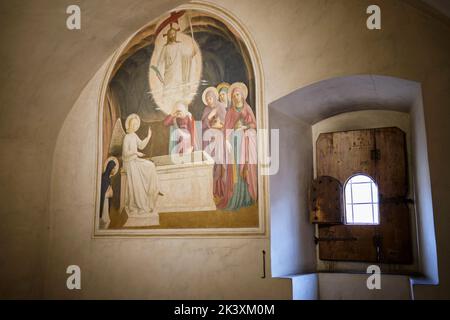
column 174, row 68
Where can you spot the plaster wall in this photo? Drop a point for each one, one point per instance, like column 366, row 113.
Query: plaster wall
column 300, row 42
column 292, row 236
column 428, row 262
column 392, row 287
column 305, row 287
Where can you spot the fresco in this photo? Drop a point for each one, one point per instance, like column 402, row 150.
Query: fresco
column 179, row 140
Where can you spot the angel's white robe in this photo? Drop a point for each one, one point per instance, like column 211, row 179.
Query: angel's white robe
column 142, row 188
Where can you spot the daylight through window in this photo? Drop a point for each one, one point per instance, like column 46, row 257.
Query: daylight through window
column 361, row 201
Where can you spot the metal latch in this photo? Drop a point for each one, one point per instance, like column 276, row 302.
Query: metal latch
column 377, row 241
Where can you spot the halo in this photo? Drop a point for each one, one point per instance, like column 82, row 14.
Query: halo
column 131, row 117
column 223, row 85
column 214, row 90
column 241, row 86
column 116, row 168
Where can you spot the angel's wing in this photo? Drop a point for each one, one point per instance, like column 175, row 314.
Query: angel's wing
column 115, row 147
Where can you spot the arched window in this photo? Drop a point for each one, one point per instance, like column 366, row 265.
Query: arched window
column 361, row 201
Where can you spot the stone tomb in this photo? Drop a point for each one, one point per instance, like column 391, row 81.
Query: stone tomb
column 186, row 182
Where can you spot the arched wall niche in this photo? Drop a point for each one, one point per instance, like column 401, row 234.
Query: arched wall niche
column 214, row 31
column 336, row 104
column 372, row 119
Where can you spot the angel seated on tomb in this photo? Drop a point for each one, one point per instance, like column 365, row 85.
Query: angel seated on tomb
column 141, row 185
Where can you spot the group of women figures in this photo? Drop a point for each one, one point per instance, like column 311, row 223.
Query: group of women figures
column 228, row 136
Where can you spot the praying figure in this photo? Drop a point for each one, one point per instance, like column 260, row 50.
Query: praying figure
column 111, row 168
column 142, row 188
column 183, row 129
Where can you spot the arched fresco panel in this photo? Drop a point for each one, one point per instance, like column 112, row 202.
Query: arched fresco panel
column 179, row 131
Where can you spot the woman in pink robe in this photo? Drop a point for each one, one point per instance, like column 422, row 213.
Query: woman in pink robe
column 213, row 138
column 241, row 188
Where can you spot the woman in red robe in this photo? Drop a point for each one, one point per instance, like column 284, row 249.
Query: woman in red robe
column 241, row 188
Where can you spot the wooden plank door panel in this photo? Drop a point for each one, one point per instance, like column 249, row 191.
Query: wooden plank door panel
column 342, row 154
column 395, row 232
column 380, row 154
column 361, row 248
column 391, row 166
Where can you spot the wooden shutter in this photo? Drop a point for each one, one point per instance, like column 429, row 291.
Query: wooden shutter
column 325, row 201
column 380, row 154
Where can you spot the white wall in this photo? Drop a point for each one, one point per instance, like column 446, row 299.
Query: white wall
column 305, row 287
column 341, row 286
column 292, row 236
column 424, row 203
